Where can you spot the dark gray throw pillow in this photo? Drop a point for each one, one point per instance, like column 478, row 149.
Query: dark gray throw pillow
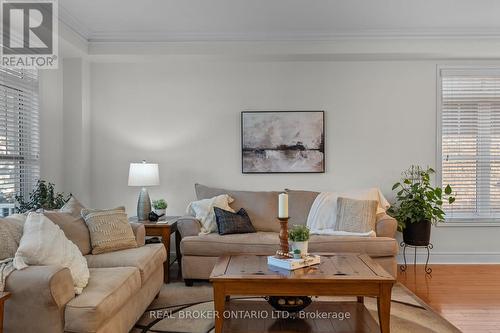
column 233, row 223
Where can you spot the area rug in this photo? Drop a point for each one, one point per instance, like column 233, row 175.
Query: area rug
column 190, row 310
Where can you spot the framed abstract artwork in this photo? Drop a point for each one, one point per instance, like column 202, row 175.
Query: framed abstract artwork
column 283, row 141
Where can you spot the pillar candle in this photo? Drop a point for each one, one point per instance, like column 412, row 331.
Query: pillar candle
column 283, row 205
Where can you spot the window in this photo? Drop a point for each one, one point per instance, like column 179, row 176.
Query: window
column 470, row 142
column 19, row 135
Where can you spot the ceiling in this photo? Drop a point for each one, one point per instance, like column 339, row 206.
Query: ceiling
column 208, row 20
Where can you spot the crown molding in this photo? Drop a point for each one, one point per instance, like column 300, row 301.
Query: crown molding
column 161, row 36
column 73, row 23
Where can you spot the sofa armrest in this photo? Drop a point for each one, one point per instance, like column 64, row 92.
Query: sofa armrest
column 139, row 233
column 39, row 295
column 386, row 226
column 188, row 226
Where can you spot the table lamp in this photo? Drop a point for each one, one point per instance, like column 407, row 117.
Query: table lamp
column 143, row 174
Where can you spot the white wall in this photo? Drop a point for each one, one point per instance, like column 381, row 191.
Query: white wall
column 51, row 125
column 64, row 114
column 184, row 113
column 76, row 124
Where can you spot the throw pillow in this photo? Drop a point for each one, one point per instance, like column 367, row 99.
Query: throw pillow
column 233, row 223
column 109, row 230
column 74, row 228
column 44, row 243
column 203, row 210
column 11, row 231
column 73, row 207
column 356, row 215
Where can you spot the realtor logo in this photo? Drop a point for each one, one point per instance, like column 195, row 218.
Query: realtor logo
column 29, row 34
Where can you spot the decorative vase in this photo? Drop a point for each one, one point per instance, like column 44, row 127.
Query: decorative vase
column 302, row 246
column 160, row 212
column 417, row 234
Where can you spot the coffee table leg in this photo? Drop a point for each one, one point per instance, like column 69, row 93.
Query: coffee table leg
column 219, row 305
column 384, row 308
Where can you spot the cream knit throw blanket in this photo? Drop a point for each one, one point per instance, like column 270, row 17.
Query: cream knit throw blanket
column 6, row 267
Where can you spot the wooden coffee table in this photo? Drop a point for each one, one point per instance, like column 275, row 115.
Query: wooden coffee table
column 337, row 275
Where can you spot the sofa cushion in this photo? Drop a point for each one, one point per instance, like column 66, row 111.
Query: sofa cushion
column 146, row 258
column 299, row 205
column 267, row 243
column 74, row 229
column 44, row 243
column 216, row 245
column 109, row 230
column 233, row 223
column 355, row 215
column 73, row 207
column 262, row 207
column 107, row 292
column 373, row 246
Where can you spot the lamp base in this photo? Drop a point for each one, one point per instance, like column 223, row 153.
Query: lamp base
column 143, row 205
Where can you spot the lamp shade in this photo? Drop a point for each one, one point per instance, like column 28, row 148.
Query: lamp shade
column 143, row 174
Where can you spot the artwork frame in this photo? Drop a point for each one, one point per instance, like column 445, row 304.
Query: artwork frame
column 297, row 120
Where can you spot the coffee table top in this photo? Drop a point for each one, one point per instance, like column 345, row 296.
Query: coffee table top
column 333, row 267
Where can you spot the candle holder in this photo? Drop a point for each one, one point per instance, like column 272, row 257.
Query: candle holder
column 283, row 252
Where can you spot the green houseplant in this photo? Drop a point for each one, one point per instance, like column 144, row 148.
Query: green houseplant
column 419, row 204
column 299, row 237
column 160, row 206
column 43, row 196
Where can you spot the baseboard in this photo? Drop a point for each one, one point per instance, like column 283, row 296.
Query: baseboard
column 451, row 257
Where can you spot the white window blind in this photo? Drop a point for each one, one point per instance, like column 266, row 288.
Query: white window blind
column 19, row 135
column 470, row 142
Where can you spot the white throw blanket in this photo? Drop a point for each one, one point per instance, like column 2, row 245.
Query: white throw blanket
column 322, row 217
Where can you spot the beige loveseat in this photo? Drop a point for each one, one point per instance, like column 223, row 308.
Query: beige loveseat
column 122, row 284
column 200, row 252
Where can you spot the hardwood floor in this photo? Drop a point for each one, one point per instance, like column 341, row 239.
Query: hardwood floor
column 466, row 295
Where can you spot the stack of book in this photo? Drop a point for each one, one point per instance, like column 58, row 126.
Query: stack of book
column 291, row 263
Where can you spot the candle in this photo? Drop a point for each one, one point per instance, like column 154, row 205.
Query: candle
column 283, row 205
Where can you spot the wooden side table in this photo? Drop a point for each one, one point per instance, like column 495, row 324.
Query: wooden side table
column 164, row 230
column 3, row 298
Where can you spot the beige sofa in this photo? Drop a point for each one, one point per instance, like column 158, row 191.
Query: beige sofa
column 200, row 252
column 122, row 285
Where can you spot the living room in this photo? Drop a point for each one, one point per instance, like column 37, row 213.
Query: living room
column 232, row 104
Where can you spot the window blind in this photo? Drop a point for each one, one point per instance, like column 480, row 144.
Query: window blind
column 470, row 142
column 19, row 135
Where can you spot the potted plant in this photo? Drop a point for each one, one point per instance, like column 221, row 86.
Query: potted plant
column 43, row 196
column 160, row 206
column 418, row 205
column 299, row 237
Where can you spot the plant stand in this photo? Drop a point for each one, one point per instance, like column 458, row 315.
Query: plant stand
column 428, row 247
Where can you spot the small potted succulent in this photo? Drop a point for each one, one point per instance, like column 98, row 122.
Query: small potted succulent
column 160, row 206
column 296, row 254
column 299, row 238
